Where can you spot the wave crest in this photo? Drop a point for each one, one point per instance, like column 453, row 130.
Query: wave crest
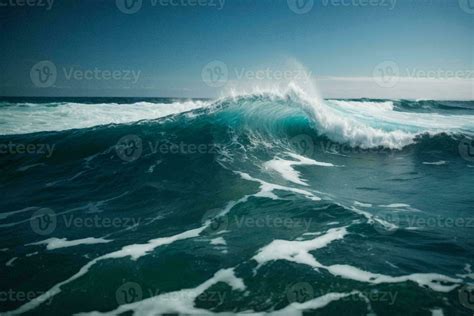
column 361, row 123
column 364, row 124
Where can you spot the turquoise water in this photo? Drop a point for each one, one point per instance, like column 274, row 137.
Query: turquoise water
column 255, row 204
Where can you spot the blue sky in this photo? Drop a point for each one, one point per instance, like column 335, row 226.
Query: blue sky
column 163, row 48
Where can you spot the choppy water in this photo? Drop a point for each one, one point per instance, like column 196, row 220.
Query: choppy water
column 260, row 203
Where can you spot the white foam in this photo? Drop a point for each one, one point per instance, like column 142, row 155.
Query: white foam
column 431, row 280
column 437, row 312
column 30, row 166
column 56, row 243
column 312, row 234
column 266, row 189
column 40, row 117
column 134, row 251
column 369, row 124
column 285, row 167
column 139, row 250
column 356, row 203
column 370, row 218
column 400, row 207
column 391, row 264
column 222, row 232
column 151, row 169
column 467, row 268
column 183, row 301
column 10, row 262
column 297, row 309
column 469, row 273
column 365, row 105
column 218, row 241
column 364, row 124
column 298, row 251
column 178, row 302
column 435, row 163
column 396, row 205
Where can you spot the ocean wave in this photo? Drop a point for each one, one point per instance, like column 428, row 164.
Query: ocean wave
column 364, row 124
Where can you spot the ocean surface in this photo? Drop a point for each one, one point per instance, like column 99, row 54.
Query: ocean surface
column 258, row 203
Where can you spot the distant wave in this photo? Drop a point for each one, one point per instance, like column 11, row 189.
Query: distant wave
column 24, row 118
